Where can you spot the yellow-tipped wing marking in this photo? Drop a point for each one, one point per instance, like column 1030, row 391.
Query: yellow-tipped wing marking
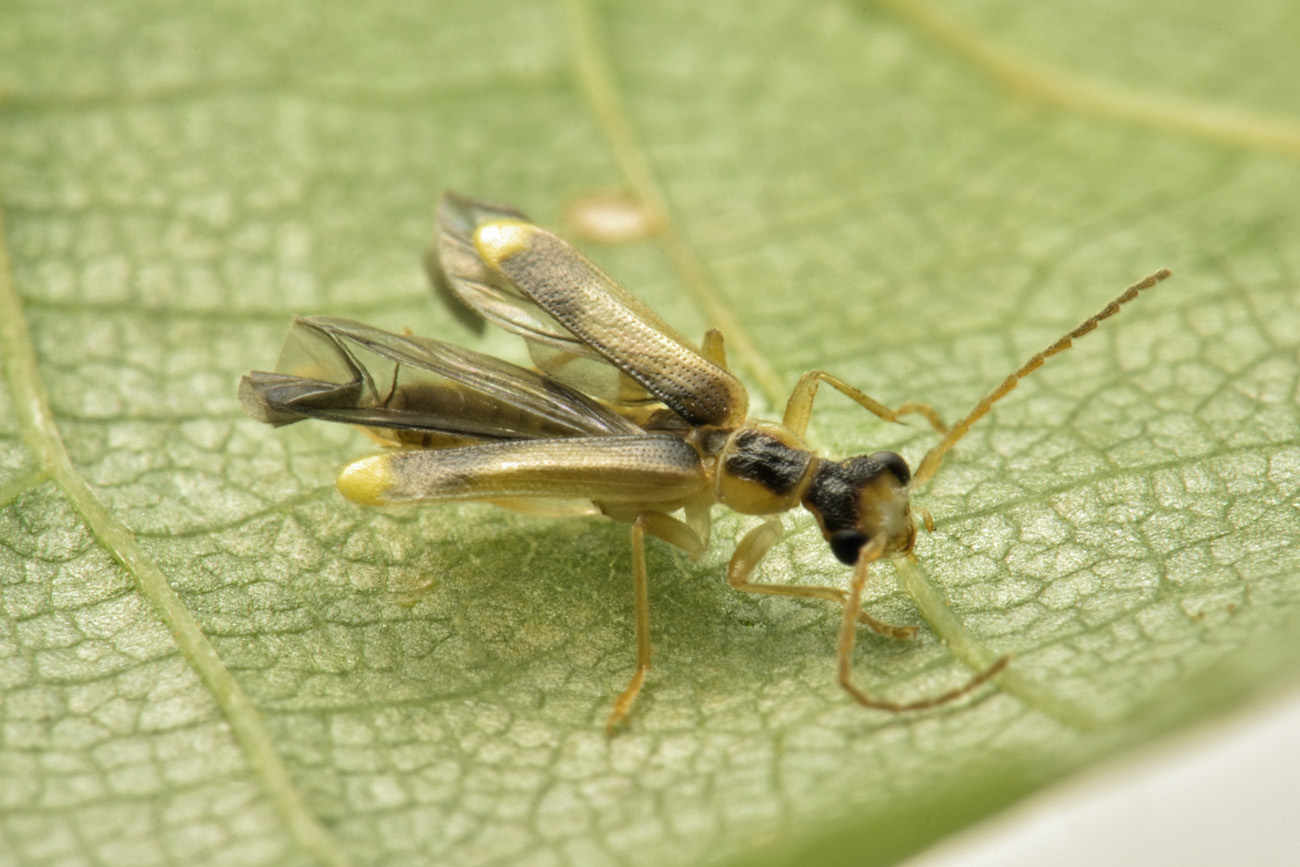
column 533, row 283
column 651, row 471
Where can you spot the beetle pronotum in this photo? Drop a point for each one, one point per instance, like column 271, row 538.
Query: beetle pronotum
column 622, row 417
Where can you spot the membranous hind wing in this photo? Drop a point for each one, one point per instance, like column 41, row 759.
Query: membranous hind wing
column 471, row 288
column 415, row 390
column 582, row 328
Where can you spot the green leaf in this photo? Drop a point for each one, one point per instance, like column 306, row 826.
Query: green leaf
column 207, row 656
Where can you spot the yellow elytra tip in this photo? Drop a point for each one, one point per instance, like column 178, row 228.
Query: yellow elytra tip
column 501, row 239
column 368, row 480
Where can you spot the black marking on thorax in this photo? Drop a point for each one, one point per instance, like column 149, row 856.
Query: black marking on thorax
column 761, row 458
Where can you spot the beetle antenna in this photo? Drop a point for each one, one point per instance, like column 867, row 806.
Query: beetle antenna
column 934, row 458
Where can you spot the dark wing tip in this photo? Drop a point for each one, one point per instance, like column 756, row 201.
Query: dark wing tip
column 256, row 396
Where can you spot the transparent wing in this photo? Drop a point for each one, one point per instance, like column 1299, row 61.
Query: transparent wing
column 466, row 282
column 472, row 289
column 582, row 328
column 465, row 285
column 422, row 391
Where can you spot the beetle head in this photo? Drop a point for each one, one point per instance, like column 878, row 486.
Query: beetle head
column 859, row 499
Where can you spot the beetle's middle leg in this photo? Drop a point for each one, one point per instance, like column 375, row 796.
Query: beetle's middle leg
column 714, row 348
column 755, row 545
column 798, row 409
column 676, row 533
column 641, row 594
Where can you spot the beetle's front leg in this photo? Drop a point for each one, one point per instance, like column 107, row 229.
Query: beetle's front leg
column 755, row 545
column 798, row 409
column 870, row 553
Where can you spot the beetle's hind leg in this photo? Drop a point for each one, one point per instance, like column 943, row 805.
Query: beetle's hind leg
column 755, row 545
column 798, row 409
column 848, row 637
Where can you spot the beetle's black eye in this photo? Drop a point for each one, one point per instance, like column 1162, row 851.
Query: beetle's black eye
column 895, row 464
column 847, row 544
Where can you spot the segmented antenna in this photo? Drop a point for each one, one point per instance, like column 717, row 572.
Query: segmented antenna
column 934, row 458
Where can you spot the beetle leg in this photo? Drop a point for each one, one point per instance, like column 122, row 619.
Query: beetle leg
column 714, row 348
column 679, row 534
column 798, row 410
column 848, row 636
column 755, row 545
column 698, row 514
column 641, row 594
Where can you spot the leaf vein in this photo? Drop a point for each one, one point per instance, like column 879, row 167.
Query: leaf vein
column 42, row 435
